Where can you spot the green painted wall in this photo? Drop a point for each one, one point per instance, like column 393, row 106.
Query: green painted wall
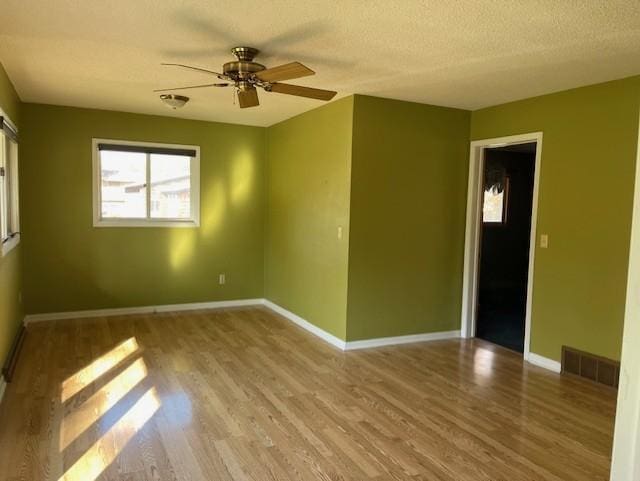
column 585, row 203
column 408, row 200
column 11, row 311
column 392, row 174
column 308, row 173
column 73, row 266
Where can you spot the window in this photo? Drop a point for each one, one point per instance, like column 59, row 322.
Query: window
column 9, row 208
column 143, row 185
column 494, row 205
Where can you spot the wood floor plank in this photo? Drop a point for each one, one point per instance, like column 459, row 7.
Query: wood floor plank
column 242, row 394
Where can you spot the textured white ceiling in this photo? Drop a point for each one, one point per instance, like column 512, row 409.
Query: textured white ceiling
column 468, row 54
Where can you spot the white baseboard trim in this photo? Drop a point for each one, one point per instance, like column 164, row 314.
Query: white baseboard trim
column 122, row 311
column 306, row 325
column 544, row 362
column 3, row 387
column 391, row 341
column 313, row 329
column 363, row 344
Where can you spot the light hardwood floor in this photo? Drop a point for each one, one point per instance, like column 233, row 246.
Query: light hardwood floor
column 241, row 394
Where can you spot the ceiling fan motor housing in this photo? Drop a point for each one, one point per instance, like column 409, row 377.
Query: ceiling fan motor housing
column 245, row 53
column 244, row 67
column 241, row 69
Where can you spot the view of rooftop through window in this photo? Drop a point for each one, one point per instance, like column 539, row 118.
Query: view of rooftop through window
column 170, row 186
column 123, row 191
column 124, row 185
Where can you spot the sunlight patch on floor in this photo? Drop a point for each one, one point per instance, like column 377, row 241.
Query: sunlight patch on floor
column 84, row 377
column 102, row 453
column 101, row 401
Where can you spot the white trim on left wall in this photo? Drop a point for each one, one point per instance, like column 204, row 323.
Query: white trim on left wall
column 123, row 311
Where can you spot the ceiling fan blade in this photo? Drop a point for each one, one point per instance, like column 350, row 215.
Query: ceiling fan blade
column 196, row 68
column 248, row 98
column 284, row 72
column 193, row 87
column 300, row 91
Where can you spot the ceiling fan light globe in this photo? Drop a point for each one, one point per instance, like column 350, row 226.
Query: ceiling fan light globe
column 174, row 101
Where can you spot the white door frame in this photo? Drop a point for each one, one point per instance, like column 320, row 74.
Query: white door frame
column 472, row 231
column 625, row 465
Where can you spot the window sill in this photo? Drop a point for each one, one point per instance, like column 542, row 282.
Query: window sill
column 143, row 223
column 9, row 244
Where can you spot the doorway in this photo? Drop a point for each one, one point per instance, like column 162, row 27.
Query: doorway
column 507, row 196
column 491, row 298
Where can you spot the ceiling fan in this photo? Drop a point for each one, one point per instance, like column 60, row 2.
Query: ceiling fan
column 246, row 76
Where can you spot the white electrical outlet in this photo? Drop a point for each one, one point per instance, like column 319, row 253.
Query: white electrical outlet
column 339, row 232
column 222, row 279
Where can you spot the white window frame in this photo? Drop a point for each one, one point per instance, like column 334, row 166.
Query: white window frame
column 9, row 196
column 99, row 221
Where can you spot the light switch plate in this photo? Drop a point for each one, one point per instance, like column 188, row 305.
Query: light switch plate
column 544, row 241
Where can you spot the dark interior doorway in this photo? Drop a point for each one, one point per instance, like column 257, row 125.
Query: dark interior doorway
column 508, row 177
